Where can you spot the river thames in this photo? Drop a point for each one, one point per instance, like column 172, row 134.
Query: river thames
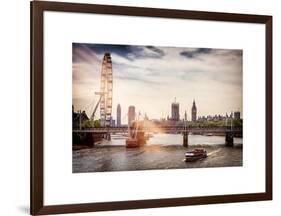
column 162, row 151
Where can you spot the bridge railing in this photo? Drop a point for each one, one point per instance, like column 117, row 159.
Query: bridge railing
column 166, row 128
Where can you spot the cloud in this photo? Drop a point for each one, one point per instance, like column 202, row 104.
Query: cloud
column 194, row 53
column 157, row 51
column 82, row 53
column 125, row 51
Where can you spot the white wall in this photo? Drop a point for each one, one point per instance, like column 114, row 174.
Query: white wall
column 14, row 109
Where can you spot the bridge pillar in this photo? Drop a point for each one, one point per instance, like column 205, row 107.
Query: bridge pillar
column 107, row 136
column 89, row 139
column 229, row 139
column 185, row 139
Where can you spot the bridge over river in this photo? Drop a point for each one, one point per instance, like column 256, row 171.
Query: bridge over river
column 165, row 129
column 229, row 132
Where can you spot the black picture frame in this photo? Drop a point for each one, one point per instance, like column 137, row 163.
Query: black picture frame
column 37, row 100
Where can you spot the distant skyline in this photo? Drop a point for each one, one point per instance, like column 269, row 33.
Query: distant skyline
column 150, row 78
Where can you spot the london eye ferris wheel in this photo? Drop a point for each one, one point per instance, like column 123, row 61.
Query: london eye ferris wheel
column 105, row 93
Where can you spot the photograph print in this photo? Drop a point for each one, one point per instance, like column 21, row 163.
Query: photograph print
column 154, row 107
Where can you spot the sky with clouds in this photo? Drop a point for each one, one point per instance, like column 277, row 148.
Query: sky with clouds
column 150, row 78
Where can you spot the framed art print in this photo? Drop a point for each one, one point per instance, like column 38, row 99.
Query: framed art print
column 141, row 107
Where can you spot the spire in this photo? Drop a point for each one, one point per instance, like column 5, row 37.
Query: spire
column 194, row 111
column 194, row 105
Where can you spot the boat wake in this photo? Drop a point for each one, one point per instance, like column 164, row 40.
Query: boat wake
column 213, row 152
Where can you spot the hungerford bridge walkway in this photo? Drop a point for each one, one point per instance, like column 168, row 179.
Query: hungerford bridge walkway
column 228, row 131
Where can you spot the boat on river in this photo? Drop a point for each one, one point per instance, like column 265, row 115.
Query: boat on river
column 195, row 155
column 132, row 143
